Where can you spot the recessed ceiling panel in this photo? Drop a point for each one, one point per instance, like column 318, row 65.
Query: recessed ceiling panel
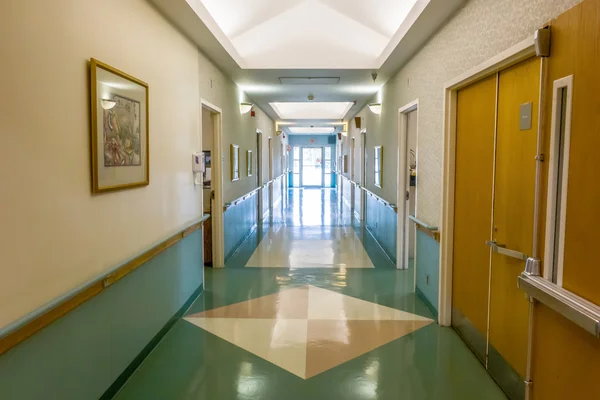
column 309, row 81
column 315, row 130
column 312, row 110
column 282, row 34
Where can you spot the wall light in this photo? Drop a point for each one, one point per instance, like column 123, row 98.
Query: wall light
column 375, row 108
column 107, row 104
column 245, row 107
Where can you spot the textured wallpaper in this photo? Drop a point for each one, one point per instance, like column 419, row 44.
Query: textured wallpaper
column 477, row 32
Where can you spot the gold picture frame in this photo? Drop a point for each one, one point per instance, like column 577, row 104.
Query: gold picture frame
column 120, row 127
column 249, row 163
column 234, row 155
column 378, row 166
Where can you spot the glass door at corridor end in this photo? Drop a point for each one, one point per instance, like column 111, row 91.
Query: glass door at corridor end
column 312, row 171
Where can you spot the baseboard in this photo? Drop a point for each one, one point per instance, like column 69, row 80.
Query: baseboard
column 237, row 247
column 139, row 359
column 430, row 306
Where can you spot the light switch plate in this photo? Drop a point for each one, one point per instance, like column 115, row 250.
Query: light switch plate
column 525, row 118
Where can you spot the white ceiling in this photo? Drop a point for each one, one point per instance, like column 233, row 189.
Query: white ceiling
column 257, row 42
column 267, row 34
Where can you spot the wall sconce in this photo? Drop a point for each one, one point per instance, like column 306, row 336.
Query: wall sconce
column 107, row 104
column 245, row 107
column 375, row 108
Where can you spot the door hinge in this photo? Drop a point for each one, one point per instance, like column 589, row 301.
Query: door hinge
column 529, row 384
column 539, row 157
column 407, row 195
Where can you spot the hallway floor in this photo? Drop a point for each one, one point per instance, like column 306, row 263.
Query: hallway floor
column 310, row 308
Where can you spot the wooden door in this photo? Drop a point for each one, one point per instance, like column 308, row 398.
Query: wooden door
column 514, row 198
column 475, row 130
column 566, row 359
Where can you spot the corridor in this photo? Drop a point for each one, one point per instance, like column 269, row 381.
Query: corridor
column 310, row 308
column 299, row 200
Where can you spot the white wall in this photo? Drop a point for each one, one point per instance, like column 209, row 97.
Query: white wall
column 477, row 32
column 54, row 234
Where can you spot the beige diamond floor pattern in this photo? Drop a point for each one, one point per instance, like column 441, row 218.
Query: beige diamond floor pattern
column 308, row 330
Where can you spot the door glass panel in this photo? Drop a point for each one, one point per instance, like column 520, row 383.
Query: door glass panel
column 328, row 166
column 312, row 171
column 296, row 153
column 296, row 167
column 328, row 153
column 296, row 180
column 327, row 180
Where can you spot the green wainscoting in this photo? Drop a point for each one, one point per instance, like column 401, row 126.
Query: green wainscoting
column 428, row 270
column 81, row 355
column 382, row 222
column 239, row 222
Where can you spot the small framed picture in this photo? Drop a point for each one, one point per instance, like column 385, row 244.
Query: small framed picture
column 207, row 170
column 120, row 139
column 249, row 162
column 378, row 165
column 235, row 162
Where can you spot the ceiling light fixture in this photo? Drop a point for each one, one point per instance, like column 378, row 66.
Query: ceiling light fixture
column 245, row 107
column 107, row 104
column 375, row 108
column 316, row 130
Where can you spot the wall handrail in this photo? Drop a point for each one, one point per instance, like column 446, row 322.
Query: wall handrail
column 272, row 181
column 25, row 327
column 237, row 201
column 566, row 303
column 421, row 223
column 386, row 203
column 356, row 184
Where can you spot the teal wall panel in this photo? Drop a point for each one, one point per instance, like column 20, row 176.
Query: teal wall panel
column 382, row 222
column 239, row 222
column 428, row 263
column 80, row 355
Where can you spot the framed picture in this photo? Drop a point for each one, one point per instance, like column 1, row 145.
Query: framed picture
column 249, row 162
column 120, row 140
column 207, row 170
column 235, row 162
column 378, row 164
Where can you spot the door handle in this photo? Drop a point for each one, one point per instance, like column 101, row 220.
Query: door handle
column 501, row 249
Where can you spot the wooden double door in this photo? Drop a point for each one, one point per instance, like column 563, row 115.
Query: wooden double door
column 496, row 146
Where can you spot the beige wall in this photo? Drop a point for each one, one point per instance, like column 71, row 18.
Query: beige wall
column 477, row 32
column 54, row 234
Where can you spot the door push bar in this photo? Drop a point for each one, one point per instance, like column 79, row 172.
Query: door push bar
column 501, row 249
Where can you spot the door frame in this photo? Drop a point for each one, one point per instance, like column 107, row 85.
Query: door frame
column 513, row 55
column 218, row 238
column 322, row 166
column 401, row 184
column 363, row 174
column 259, row 174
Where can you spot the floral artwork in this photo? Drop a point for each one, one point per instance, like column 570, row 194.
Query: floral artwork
column 122, row 145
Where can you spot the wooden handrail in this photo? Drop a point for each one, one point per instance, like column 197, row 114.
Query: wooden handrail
column 42, row 317
column 237, row 201
column 386, row 203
